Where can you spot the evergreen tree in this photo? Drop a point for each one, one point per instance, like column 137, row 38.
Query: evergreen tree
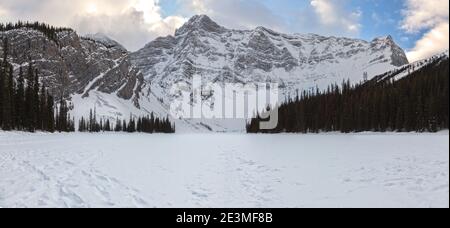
column 50, row 113
column 63, row 121
column 20, row 101
column 107, row 125
column 35, row 103
column 3, row 76
column 124, row 126
column 131, row 127
column 91, row 121
column 82, row 125
column 29, row 101
column 118, row 126
column 12, row 95
column 43, row 109
column 7, row 109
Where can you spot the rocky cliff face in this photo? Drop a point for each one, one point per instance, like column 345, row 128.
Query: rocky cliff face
column 73, row 64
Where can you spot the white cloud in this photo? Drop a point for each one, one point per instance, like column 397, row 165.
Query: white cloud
column 433, row 42
column 431, row 16
column 2, row 11
column 325, row 10
column 424, row 14
column 331, row 14
column 131, row 22
column 136, row 22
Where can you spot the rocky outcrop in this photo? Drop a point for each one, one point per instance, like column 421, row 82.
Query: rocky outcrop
column 73, row 64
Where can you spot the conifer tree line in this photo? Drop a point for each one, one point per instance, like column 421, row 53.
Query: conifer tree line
column 418, row 102
column 147, row 124
column 50, row 31
column 25, row 104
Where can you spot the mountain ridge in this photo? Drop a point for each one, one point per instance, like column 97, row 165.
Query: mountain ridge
column 294, row 61
column 119, row 82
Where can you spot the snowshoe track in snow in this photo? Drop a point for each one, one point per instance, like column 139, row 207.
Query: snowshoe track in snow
column 223, row 170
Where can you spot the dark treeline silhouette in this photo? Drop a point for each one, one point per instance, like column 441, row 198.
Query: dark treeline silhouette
column 147, row 124
column 26, row 105
column 47, row 30
column 418, row 102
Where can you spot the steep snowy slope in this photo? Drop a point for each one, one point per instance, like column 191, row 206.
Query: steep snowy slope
column 296, row 61
column 411, row 68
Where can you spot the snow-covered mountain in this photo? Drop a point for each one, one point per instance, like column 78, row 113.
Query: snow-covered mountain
column 71, row 64
column 105, row 40
column 96, row 71
column 91, row 71
column 408, row 69
column 296, row 61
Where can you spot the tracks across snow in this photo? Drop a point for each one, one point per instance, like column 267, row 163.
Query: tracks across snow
column 60, row 175
column 223, row 170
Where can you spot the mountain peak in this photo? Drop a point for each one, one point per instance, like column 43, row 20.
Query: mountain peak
column 398, row 56
column 200, row 19
column 384, row 39
column 200, row 22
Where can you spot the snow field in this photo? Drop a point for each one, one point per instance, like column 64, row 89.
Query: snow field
column 224, row 170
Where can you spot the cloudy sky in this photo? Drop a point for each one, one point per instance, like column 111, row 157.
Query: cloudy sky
column 421, row 27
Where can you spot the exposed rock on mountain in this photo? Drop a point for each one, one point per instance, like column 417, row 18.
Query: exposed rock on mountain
column 96, row 71
column 295, row 61
column 73, row 64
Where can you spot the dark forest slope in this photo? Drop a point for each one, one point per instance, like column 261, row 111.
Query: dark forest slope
column 418, row 101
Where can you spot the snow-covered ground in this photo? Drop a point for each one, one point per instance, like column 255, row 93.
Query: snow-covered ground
column 224, row 170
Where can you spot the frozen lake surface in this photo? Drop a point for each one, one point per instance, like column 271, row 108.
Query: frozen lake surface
column 224, row 170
